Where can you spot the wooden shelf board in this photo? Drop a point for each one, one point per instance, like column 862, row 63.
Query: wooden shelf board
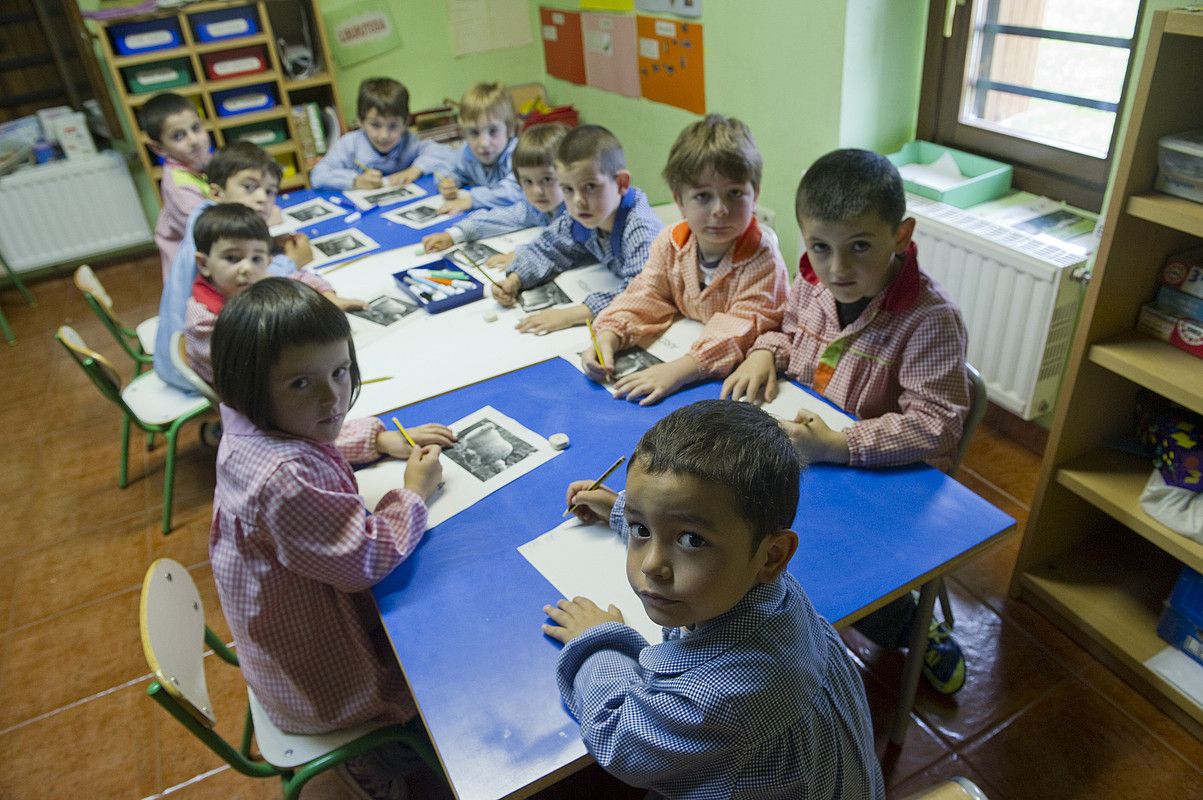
column 1155, row 365
column 270, row 76
column 187, row 90
column 229, row 44
column 281, row 148
column 1184, row 23
column 308, row 83
column 1113, row 481
column 1112, row 594
column 1172, row 212
column 276, row 112
column 152, row 56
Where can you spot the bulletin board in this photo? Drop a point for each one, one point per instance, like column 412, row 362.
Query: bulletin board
column 563, row 51
column 670, row 63
column 609, row 41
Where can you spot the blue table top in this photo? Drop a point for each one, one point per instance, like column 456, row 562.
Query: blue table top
column 388, row 234
column 464, row 610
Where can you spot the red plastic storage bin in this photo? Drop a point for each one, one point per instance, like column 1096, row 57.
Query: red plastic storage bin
column 233, row 63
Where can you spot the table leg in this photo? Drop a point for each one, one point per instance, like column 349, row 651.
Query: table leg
column 914, row 660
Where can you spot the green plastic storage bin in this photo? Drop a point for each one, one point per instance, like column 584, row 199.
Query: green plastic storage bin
column 985, row 180
column 262, row 134
column 157, row 76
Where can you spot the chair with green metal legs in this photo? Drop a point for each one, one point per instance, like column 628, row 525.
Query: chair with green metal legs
column 9, row 336
column 138, row 342
column 174, row 638
column 146, row 401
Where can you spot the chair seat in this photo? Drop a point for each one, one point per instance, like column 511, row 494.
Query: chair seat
column 158, row 403
column 287, row 750
column 147, row 330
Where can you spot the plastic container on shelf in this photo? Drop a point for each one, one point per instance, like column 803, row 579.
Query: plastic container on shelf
column 157, row 76
column 985, row 179
column 1180, row 165
column 224, row 23
column 244, row 100
column 263, row 133
column 132, row 38
column 234, row 63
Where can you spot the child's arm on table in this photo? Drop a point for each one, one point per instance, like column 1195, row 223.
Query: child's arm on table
column 592, row 505
column 755, row 380
column 548, row 254
column 296, row 246
column 554, row 319
column 659, row 381
column 403, row 177
column 312, row 279
column 392, row 443
column 814, row 441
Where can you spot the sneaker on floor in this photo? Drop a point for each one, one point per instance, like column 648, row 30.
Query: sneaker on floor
column 210, row 433
column 366, row 780
column 943, row 662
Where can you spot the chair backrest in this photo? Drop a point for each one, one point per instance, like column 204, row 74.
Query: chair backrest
column 179, row 360
column 978, row 398
column 101, row 303
column 87, row 282
column 172, row 620
column 98, row 368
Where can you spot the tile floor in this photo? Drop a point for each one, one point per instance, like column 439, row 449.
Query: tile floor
column 1038, row 718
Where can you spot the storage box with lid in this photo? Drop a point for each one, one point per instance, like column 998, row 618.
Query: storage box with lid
column 1180, row 165
column 132, row 38
column 984, row 178
column 234, row 63
column 157, row 76
column 224, row 23
column 273, row 131
column 1181, row 621
column 244, row 100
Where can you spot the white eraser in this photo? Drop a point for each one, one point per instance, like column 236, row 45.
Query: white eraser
column 558, row 440
column 353, row 218
column 490, row 316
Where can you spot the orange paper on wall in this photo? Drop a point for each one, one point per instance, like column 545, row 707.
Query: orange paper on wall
column 563, row 51
column 671, row 62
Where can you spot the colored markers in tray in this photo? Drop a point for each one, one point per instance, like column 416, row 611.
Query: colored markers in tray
column 439, row 286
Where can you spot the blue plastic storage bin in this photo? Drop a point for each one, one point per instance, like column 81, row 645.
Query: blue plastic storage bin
column 244, row 100
column 421, row 294
column 225, row 23
column 1181, row 622
column 132, row 38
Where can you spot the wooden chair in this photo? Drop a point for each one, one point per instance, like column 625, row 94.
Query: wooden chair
column 179, row 360
column 137, row 342
column 174, row 638
column 146, row 401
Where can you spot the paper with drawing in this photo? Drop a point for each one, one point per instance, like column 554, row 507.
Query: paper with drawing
column 492, row 450
column 590, row 561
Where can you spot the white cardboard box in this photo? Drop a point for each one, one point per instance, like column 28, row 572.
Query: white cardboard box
column 72, row 133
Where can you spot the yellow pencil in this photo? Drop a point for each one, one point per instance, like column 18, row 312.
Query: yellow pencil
column 362, row 167
column 480, row 269
column 376, row 380
column 596, row 483
column 404, row 432
column 596, row 349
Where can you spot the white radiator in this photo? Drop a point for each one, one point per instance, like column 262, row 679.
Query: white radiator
column 1016, row 293
column 67, row 210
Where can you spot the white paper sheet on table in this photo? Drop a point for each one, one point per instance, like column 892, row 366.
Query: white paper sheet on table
column 304, row 214
column 941, row 174
column 461, row 488
column 418, row 215
column 590, row 561
column 583, row 281
column 366, row 199
column 672, row 344
column 790, row 400
column 362, row 244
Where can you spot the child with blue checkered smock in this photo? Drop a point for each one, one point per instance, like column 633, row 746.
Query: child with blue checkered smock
column 751, row 694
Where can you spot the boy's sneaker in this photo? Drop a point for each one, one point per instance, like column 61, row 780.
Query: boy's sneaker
column 366, row 780
column 943, row 662
column 210, row 433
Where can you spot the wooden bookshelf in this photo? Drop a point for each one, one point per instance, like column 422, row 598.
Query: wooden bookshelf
column 319, row 87
column 1092, row 560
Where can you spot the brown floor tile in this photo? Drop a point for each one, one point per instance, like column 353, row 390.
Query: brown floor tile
column 8, row 580
column 69, row 657
column 230, row 785
column 101, row 748
column 1012, row 468
column 195, row 473
column 100, row 562
column 1047, row 636
column 921, row 747
column 1104, row 754
column 188, row 541
column 947, row 768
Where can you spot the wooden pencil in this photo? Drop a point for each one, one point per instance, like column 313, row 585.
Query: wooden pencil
column 404, row 432
column 596, row 483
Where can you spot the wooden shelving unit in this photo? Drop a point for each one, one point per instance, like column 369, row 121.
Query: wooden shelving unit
column 319, row 88
column 1092, row 560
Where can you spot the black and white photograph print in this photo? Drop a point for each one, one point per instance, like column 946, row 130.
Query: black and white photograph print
column 486, row 449
column 341, row 244
column 421, row 214
column 385, row 310
column 310, row 212
column 477, row 251
column 393, row 195
column 628, row 362
column 543, row 296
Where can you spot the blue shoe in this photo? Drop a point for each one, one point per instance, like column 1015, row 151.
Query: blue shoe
column 943, row 662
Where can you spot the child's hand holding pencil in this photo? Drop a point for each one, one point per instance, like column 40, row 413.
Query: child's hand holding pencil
column 367, row 178
column 598, row 360
column 593, row 501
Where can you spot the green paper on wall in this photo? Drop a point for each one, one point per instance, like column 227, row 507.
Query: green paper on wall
column 359, row 31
